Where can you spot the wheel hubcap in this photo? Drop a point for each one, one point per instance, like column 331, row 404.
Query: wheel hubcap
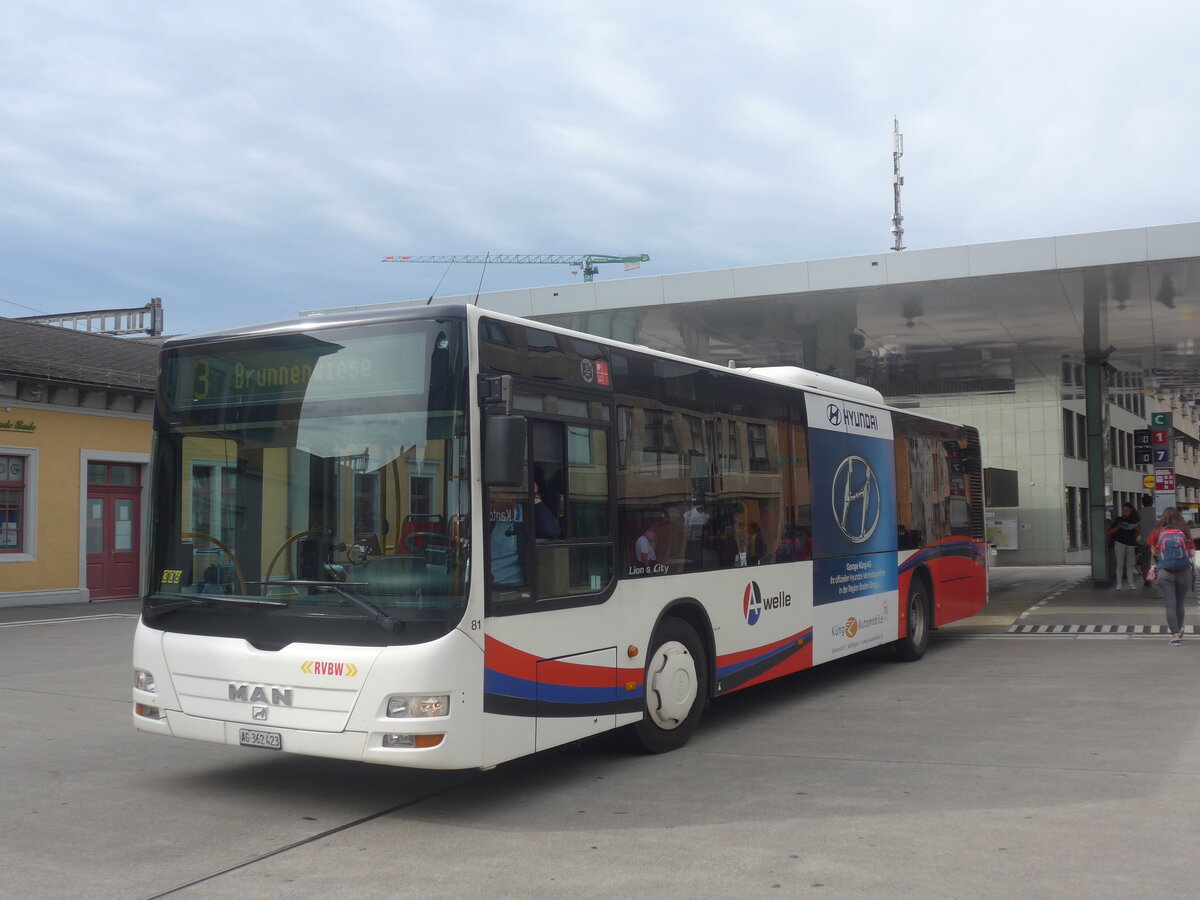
column 916, row 619
column 671, row 685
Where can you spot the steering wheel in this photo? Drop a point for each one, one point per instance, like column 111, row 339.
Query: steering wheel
column 237, row 569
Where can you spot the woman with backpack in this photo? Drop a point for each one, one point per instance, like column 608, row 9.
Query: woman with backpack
column 1173, row 552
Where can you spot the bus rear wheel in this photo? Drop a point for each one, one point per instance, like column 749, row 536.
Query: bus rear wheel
column 912, row 646
column 675, row 689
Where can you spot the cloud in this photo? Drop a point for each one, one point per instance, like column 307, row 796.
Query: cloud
column 247, row 162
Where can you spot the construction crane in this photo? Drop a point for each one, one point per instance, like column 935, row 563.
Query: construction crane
column 586, row 261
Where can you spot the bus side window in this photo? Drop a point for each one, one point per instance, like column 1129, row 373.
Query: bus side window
column 549, row 477
column 587, row 482
column 573, row 459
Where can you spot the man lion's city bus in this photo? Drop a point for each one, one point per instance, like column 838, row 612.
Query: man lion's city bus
column 446, row 538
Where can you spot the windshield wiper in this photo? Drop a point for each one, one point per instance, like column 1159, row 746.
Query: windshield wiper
column 373, row 612
column 199, row 599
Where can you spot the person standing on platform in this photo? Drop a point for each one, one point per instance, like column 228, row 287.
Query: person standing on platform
column 1124, row 535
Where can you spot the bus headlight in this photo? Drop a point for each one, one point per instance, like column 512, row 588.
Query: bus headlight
column 144, row 681
column 412, row 741
column 418, row 707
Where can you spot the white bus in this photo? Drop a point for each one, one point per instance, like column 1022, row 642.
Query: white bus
column 446, row 538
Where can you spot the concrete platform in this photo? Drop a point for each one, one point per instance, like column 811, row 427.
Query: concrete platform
column 1062, row 601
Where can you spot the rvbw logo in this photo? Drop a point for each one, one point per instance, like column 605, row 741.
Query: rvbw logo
column 754, row 603
column 855, row 497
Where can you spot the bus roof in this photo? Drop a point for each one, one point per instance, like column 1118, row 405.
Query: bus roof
column 793, row 376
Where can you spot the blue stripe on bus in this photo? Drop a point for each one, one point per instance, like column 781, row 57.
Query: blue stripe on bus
column 522, row 688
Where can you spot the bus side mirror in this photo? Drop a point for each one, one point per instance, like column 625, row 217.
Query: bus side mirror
column 504, row 451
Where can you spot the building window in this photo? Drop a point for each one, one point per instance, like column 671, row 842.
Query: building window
column 660, row 439
column 1081, row 447
column 420, row 495
column 1085, row 515
column 756, row 438
column 13, row 504
column 696, row 431
column 214, row 501
column 1068, row 433
column 113, row 473
column 1072, row 519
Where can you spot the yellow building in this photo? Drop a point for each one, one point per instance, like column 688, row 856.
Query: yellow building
column 75, row 413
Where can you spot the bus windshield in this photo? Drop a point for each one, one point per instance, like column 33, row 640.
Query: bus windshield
column 312, row 486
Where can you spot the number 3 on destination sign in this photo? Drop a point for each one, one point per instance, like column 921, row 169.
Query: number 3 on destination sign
column 200, row 380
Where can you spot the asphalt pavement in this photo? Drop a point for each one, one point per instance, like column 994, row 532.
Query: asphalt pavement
column 1042, row 749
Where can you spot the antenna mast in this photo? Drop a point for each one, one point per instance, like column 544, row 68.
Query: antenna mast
column 897, row 183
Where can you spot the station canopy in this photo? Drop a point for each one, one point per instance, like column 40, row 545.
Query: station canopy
column 919, row 322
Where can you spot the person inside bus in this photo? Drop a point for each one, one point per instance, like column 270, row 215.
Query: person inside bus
column 728, row 551
column 755, row 545
column 796, row 545
column 545, row 522
column 645, row 550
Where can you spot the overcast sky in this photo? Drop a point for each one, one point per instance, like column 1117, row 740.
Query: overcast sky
column 246, row 161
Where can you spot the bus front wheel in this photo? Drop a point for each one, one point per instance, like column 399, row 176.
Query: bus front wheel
column 675, row 689
column 912, row 646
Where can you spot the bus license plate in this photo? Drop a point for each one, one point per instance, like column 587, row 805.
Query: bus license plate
column 269, row 740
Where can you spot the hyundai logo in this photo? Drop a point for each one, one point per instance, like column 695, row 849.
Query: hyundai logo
column 834, row 413
column 855, row 499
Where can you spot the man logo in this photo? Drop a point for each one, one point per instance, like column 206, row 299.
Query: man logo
column 752, row 604
column 855, row 497
column 834, row 413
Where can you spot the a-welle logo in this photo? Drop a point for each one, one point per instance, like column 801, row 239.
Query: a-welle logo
column 754, row 603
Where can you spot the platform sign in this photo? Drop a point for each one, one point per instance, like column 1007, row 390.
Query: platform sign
column 1160, row 439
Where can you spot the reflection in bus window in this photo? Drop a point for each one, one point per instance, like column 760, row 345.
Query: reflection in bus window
column 506, row 522
column 705, row 509
column 937, row 482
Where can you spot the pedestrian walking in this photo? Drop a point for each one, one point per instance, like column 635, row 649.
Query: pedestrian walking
column 1173, row 552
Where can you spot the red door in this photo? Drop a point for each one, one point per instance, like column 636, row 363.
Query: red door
column 113, row 530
